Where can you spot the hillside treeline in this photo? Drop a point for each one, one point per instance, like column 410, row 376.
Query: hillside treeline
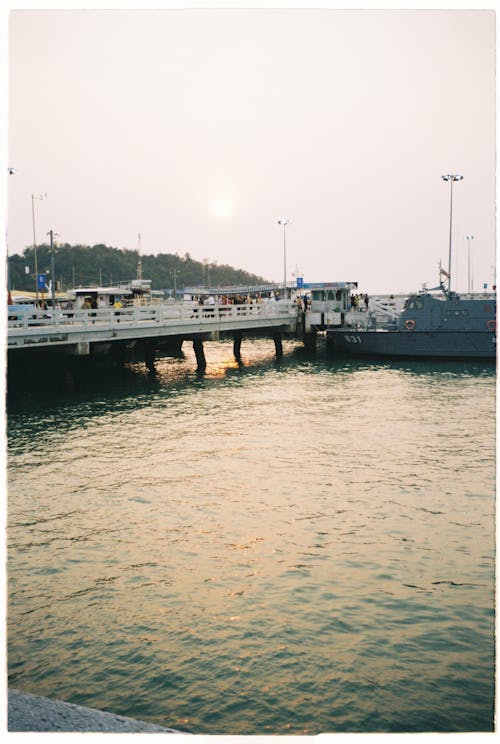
column 79, row 265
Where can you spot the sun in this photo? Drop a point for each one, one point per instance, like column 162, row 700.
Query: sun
column 221, row 208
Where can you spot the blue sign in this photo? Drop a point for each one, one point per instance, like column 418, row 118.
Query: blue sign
column 485, row 286
column 41, row 282
column 300, row 282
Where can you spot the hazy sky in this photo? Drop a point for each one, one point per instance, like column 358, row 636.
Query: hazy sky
column 201, row 128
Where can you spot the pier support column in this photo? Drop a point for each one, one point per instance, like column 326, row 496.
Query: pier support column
column 150, row 357
column 118, row 354
column 237, row 337
column 81, row 348
column 278, row 345
column 301, row 325
column 310, row 340
column 200, row 354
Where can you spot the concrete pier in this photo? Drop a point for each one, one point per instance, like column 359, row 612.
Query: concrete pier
column 139, row 333
column 81, row 332
column 34, row 713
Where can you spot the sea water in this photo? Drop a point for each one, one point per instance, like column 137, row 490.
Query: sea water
column 287, row 546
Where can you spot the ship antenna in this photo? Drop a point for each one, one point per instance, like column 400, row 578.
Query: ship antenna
column 442, row 273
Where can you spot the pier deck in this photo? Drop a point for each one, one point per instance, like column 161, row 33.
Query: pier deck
column 76, row 331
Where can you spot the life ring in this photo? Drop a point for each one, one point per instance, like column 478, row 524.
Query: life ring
column 409, row 325
column 491, row 325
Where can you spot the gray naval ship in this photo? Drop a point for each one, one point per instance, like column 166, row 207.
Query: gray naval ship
column 444, row 325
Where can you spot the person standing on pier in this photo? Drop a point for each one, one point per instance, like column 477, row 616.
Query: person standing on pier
column 93, row 305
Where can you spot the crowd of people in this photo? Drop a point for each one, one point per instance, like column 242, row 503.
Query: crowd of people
column 90, row 303
column 237, row 299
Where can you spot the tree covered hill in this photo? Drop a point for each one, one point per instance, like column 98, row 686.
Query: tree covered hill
column 79, row 265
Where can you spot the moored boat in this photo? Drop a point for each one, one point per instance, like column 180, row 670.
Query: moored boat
column 430, row 325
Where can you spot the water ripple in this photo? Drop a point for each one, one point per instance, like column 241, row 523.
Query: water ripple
column 278, row 548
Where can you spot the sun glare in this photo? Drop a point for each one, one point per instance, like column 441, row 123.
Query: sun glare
column 221, row 208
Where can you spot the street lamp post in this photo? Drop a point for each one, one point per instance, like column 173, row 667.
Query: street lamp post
column 284, row 223
column 11, row 172
column 33, row 197
column 468, row 239
column 451, row 178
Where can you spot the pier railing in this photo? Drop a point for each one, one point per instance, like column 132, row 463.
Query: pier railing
column 75, row 329
column 188, row 314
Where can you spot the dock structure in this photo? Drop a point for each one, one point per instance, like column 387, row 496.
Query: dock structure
column 144, row 332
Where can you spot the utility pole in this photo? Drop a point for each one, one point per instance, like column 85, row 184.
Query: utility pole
column 284, row 223
column 139, row 262
column 52, row 269
column 33, row 197
column 174, row 274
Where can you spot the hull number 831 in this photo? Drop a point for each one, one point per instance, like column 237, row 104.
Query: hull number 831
column 353, row 339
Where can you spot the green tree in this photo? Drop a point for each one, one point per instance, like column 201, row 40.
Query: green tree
column 80, row 266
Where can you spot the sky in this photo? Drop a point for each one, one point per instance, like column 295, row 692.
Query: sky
column 201, row 128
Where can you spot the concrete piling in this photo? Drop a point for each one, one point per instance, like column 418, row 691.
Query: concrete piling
column 200, row 354
column 150, row 357
column 278, row 345
column 237, row 338
column 310, row 341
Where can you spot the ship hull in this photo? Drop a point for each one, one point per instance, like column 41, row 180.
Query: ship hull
column 416, row 344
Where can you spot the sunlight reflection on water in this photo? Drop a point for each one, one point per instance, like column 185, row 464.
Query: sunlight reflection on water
column 284, row 547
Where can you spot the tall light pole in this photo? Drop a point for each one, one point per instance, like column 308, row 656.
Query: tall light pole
column 284, row 223
column 451, row 178
column 33, row 197
column 11, row 172
column 468, row 239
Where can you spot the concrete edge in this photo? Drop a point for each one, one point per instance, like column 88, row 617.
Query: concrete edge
column 27, row 712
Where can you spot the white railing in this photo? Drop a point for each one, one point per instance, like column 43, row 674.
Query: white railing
column 386, row 308
column 153, row 314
